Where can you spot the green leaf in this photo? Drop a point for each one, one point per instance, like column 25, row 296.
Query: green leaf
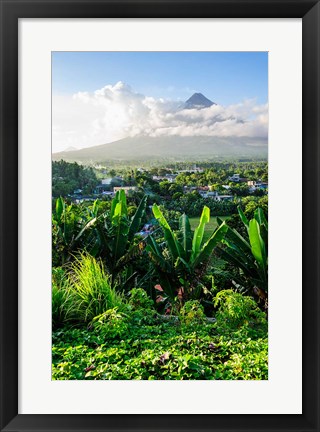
column 185, row 228
column 208, row 247
column 137, row 218
column 85, row 228
column 114, row 203
column 123, row 200
column 199, row 231
column 60, row 206
column 239, row 260
column 243, row 217
column 257, row 244
column 95, row 208
column 235, row 240
column 263, row 223
column 120, row 231
column 120, row 198
column 260, row 217
column 172, row 242
column 219, row 220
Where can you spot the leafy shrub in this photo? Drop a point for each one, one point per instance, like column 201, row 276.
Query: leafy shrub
column 237, row 311
column 139, row 299
column 192, row 312
column 140, row 307
column 110, row 323
column 90, row 289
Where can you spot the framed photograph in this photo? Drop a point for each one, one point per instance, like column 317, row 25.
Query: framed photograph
column 159, row 215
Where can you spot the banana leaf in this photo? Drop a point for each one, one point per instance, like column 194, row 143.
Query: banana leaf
column 137, row 218
column 185, row 229
column 172, row 242
column 207, row 249
column 60, row 206
column 243, row 217
column 257, row 244
column 199, row 231
column 260, row 217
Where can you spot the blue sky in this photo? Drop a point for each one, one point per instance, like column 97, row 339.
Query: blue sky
column 224, row 77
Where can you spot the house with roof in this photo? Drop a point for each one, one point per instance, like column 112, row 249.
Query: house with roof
column 237, row 179
column 125, row 188
column 255, row 185
column 215, row 196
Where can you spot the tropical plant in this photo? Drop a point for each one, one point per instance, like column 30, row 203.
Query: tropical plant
column 90, row 289
column 61, row 299
column 236, row 311
column 110, row 323
column 249, row 254
column 116, row 348
column 112, row 237
column 192, row 312
column 70, row 227
column 181, row 260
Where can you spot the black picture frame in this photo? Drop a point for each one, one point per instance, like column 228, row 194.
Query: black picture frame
column 11, row 11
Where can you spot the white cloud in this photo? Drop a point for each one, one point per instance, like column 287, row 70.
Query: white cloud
column 117, row 111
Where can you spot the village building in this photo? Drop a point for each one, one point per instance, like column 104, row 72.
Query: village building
column 125, row 188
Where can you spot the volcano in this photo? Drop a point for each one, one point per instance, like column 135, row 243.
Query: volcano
column 198, row 101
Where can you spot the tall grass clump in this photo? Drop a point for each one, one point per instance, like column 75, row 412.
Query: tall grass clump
column 90, row 288
column 61, row 298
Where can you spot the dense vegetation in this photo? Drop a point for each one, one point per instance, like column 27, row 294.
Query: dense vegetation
column 140, row 291
column 69, row 177
column 139, row 344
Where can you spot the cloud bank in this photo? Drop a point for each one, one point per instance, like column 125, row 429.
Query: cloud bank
column 117, row 111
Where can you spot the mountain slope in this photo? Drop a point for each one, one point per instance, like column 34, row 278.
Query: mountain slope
column 168, row 148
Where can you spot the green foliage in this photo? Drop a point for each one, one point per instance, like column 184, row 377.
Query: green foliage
column 250, row 205
column 70, row 228
column 110, row 323
column 172, row 216
column 162, row 351
column 109, row 235
column 61, row 298
column 192, row 312
column 140, row 308
column 183, row 259
column 210, row 226
column 249, row 253
column 67, row 177
column 114, row 235
column 139, row 299
column 237, row 311
column 120, row 335
column 90, row 289
column 192, row 204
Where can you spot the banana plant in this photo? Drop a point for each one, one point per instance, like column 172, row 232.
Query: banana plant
column 249, row 255
column 68, row 222
column 181, row 260
column 111, row 235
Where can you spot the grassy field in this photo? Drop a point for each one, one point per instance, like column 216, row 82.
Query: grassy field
column 210, row 227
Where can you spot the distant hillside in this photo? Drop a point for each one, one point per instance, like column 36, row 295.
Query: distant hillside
column 168, row 148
